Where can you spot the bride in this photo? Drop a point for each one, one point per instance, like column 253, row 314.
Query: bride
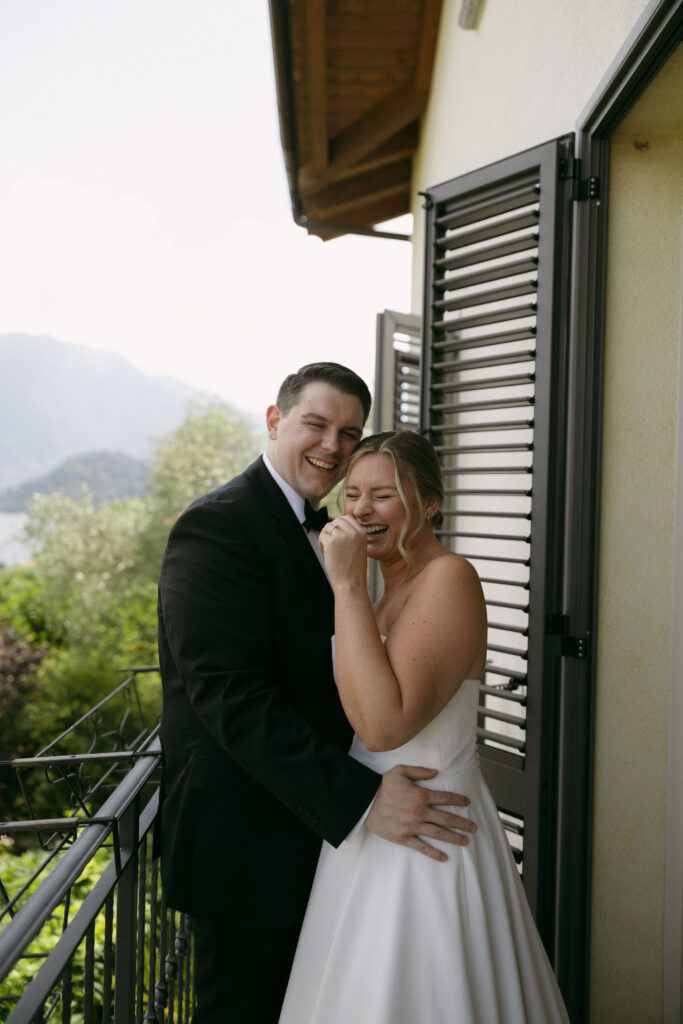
column 390, row 937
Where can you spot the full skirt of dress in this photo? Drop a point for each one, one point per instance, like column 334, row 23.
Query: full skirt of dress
column 393, row 937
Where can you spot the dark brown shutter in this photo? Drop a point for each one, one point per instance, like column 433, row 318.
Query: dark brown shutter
column 493, row 402
column 396, row 404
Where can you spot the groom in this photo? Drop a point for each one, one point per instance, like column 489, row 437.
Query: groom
column 253, row 734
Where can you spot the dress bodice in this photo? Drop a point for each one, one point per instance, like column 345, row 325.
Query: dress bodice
column 447, row 743
column 393, row 937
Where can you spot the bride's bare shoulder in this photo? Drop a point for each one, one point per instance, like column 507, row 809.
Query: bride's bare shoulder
column 449, row 568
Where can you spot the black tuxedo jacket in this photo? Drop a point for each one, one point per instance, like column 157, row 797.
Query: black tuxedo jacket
column 253, row 734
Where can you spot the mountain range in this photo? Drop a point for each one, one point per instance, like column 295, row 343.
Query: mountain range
column 105, row 475
column 58, row 400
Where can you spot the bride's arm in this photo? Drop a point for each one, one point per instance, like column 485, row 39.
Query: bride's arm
column 438, row 639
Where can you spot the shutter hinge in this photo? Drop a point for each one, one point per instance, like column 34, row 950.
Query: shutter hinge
column 428, row 201
column 584, row 188
column 588, row 188
column 575, row 647
column 572, row 646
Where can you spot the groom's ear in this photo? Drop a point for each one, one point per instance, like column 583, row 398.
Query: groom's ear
column 273, row 417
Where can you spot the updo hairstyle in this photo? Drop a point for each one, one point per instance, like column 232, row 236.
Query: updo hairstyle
column 416, row 469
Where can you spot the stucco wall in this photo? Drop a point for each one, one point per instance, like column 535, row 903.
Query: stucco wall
column 524, row 77
column 635, row 593
column 521, row 78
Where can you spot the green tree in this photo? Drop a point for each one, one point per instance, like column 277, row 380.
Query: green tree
column 19, row 658
column 90, row 596
column 211, row 445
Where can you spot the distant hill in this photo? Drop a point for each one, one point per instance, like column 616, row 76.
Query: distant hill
column 106, row 475
column 58, row 400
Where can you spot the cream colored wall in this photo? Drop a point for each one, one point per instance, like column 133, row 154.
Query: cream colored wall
column 521, row 78
column 642, row 345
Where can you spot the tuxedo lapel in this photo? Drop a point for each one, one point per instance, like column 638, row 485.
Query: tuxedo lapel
column 285, row 522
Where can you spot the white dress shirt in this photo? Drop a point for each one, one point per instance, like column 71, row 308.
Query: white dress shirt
column 297, row 505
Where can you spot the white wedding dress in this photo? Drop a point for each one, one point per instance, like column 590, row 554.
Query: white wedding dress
column 392, row 937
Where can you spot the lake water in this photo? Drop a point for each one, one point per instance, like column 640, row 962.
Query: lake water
column 12, row 551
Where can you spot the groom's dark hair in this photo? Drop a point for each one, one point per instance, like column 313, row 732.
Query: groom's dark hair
column 334, row 374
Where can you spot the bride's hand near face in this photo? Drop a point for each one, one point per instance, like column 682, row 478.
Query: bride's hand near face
column 344, row 544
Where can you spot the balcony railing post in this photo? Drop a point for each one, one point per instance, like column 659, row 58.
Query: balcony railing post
column 121, row 951
column 126, row 920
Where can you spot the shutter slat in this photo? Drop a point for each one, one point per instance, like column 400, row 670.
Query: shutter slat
column 509, row 627
column 481, row 428
column 493, row 470
column 515, row 402
column 512, row 696
column 452, row 387
column 485, row 340
column 482, row 319
column 523, row 539
column 491, row 252
column 460, row 214
column 456, row 449
column 498, row 273
column 463, row 365
column 514, row 680
column 503, row 583
column 473, row 299
column 479, row 492
column 479, row 514
column 496, row 737
column 476, row 557
column 526, row 219
column 502, row 716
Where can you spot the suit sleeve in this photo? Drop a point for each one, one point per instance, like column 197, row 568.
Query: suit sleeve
column 216, row 612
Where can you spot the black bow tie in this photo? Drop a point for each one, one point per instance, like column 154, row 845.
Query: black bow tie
column 314, row 520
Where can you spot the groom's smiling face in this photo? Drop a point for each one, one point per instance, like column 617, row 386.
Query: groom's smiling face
column 311, row 444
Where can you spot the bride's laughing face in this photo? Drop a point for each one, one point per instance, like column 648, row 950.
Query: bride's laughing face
column 373, row 499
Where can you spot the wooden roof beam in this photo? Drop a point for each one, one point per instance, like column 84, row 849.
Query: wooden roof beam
column 333, row 201
column 406, row 104
column 358, row 141
column 364, row 214
column 316, row 73
column 376, row 127
column 399, row 147
column 427, row 46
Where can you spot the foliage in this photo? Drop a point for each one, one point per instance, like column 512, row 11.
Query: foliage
column 22, row 603
column 18, row 660
column 210, row 446
column 86, row 607
column 15, row 872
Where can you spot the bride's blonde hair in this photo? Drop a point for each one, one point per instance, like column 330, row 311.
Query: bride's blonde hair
column 416, row 467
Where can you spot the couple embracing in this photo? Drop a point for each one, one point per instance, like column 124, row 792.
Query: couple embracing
column 295, row 714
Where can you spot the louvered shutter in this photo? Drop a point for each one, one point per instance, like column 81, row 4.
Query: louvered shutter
column 397, row 372
column 493, row 403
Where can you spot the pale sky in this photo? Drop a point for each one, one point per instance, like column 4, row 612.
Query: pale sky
column 144, row 207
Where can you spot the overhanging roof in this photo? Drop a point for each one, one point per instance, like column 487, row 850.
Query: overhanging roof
column 352, row 80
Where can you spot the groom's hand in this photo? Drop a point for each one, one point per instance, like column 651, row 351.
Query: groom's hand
column 405, row 813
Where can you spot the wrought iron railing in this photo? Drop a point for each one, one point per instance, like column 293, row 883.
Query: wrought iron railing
column 87, row 936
